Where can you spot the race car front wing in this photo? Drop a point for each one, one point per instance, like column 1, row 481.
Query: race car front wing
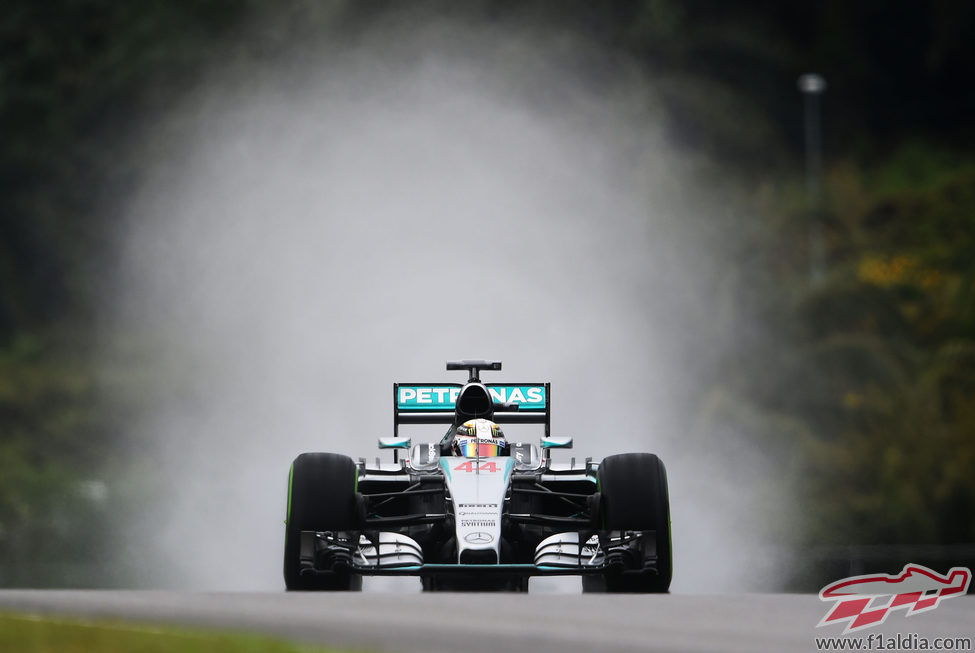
column 394, row 554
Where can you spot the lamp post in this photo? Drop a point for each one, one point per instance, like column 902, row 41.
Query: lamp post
column 812, row 87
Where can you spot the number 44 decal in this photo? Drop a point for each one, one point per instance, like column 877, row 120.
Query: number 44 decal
column 485, row 467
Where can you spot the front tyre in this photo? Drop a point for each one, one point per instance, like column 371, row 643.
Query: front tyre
column 635, row 498
column 321, row 497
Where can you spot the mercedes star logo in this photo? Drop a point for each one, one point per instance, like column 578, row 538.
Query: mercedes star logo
column 479, row 537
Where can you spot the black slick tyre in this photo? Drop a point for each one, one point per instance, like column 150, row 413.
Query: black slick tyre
column 321, row 497
column 635, row 498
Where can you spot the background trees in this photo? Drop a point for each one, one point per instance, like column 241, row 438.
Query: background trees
column 863, row 387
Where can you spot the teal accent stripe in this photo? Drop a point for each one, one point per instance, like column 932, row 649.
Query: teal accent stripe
column 513, row 567
column 509, row 466
column 528, row 569
column 565, row 571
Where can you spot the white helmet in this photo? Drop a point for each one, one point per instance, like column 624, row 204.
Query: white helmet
column 479, row 438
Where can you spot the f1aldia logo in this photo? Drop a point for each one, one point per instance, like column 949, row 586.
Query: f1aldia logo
column 866, row 601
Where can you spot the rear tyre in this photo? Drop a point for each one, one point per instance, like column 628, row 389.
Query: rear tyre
column 635, row 498
column 321, row 497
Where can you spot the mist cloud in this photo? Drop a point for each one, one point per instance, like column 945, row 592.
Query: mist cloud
column 316, row 225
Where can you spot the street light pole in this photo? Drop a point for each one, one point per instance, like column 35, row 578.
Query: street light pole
column 812, row 87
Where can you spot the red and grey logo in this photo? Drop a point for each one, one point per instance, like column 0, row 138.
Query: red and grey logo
column 865, row 601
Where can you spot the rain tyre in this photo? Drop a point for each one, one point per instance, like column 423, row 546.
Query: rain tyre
column 635, row 497
column 321, row 497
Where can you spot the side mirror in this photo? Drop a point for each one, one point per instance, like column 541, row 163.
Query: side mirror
column 557, row 443
column 394, row 443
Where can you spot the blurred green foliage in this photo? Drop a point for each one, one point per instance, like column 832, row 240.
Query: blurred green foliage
column 860, row 388
column 52, row 499
column 34, row 634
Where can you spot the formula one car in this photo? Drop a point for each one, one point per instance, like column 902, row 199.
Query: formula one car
column 476, row 511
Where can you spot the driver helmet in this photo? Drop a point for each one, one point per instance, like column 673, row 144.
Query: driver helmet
column 479, row 438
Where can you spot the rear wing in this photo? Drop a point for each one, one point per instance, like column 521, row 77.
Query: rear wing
column 434, row 403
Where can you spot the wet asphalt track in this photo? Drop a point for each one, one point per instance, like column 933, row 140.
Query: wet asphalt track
column 541, row 623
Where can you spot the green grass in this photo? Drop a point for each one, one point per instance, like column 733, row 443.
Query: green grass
column 37, row 634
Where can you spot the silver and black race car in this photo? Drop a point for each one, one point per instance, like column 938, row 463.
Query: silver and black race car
column 481, row 517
